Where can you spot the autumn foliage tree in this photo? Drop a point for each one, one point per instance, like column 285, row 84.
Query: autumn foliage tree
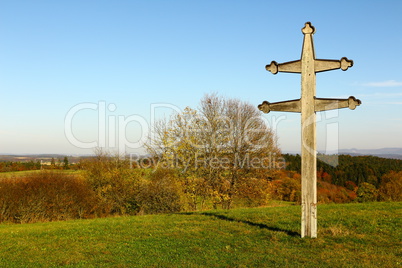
column 215, row 146
column 114, row 183
column 391, row 187
column 367, row 192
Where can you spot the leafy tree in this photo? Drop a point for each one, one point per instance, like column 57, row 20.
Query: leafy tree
column 287, row 189
column 161, row 193
column 65, row 163
column 115, row 184
column 221, row 142
column 391, row 186
column 367, row 193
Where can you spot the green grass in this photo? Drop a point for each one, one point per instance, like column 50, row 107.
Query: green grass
column 350, row 235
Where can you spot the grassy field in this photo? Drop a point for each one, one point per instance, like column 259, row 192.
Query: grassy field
column 16, row 174
column 350, row 235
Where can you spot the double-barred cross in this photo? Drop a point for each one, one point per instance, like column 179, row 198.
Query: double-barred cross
column 308, row 105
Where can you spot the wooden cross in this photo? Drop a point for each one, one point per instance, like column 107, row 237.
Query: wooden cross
column 308, row 105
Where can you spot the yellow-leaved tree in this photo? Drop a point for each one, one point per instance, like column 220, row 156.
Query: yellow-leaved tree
column 215, row 147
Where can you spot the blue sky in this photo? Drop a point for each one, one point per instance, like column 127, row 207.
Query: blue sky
column 134, row 61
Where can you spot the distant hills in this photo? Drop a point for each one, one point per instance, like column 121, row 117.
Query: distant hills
column 392, row 153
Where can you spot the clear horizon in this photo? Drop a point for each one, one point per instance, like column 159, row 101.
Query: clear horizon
column 78, row 74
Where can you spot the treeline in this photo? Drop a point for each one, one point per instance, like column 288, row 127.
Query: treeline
column 343, row 169
column 108, row 186
column 346, row 178
column 10, row 166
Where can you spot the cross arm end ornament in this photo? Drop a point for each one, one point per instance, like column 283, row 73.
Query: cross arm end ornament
column 345, row 63
column 287, row 67
column 327, row 65
column 332, row 104
column 264, row 107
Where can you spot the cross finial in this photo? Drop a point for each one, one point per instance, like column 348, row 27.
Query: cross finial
column 308, row 28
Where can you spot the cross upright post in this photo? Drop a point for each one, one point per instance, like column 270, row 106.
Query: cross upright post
column 308, row 105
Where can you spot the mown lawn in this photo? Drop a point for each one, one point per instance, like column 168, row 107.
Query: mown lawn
column 350, row 235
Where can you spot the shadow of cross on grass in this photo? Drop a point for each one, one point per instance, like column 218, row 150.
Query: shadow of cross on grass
column 254, row 224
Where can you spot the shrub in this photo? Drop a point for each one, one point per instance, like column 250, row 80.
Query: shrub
column 161, row 193
column 367, row 192
column 45, row 196
column 391, row 187
column 254, row 192
column 114, row 183
column 196, row 192
column 328, row 193
column 287, row 189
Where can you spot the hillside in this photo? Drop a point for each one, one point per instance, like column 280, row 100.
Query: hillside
column 358, row 235
column 343, row 168
column 392, row 153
